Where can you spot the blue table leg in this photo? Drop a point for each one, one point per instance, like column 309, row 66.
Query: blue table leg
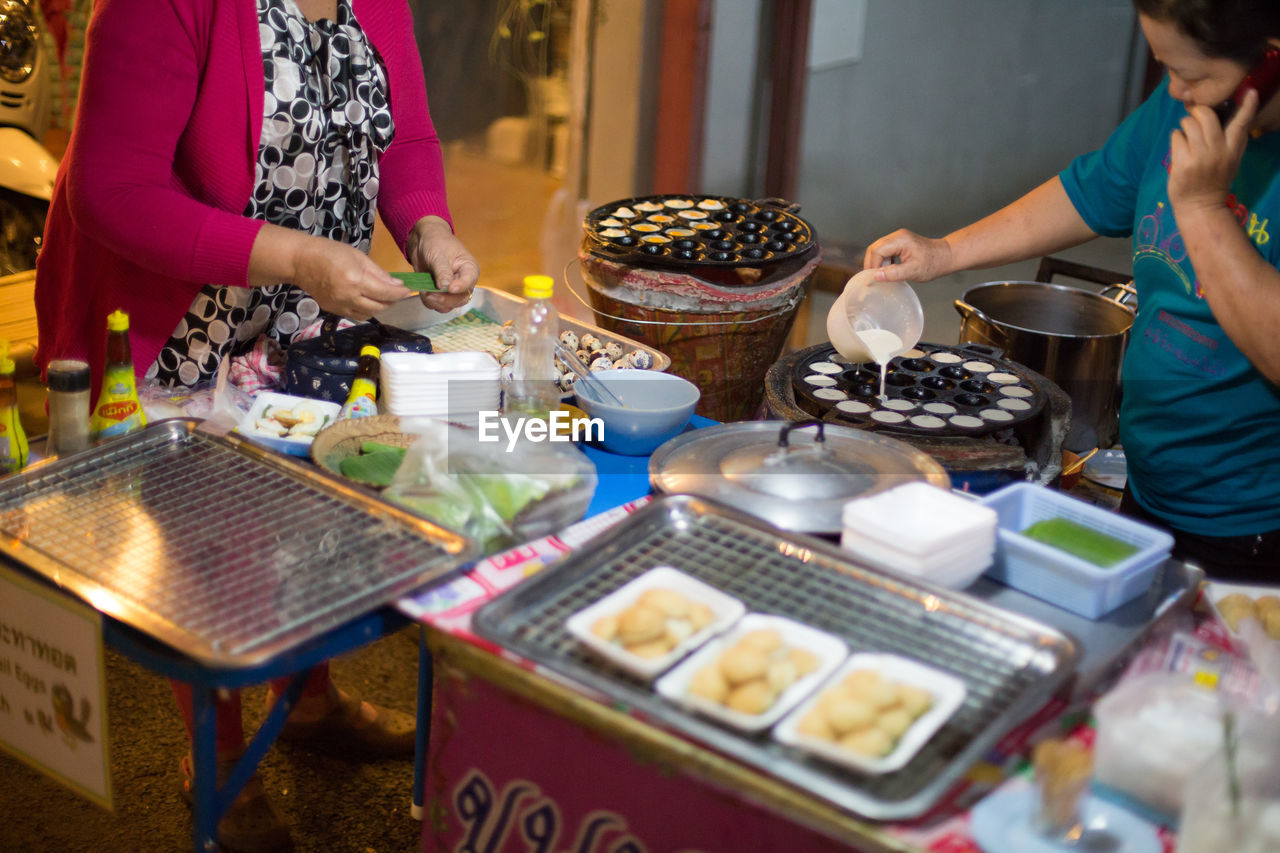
column 421, row 739
column 210, row 801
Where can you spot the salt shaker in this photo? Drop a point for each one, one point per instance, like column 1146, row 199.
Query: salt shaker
column 68, row 406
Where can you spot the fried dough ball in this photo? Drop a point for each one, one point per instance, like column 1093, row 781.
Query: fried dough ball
column 881, row 696
column 845, row 714
column 1266, row 603
column 742, row 664
column 606, row 627
column 641, row 624
column 671, row 603
column 753, row 697
column 1234, row 608
column 862, row 680
column 678, row 630
column 814, row 724
column 700, row 616
column 803, row 660
column 895, row 723
column 766, row 640
column 1271, row 623
column 915, row 700
column 781, row 674
column 651, row 649
column 872, row 742
column 709, row 684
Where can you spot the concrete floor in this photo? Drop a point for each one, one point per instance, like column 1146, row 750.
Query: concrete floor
column 331, row 803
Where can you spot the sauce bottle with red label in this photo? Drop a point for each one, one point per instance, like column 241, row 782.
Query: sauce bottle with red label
column 118, row 410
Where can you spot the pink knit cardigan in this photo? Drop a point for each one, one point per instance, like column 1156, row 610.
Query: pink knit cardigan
column 148, row 200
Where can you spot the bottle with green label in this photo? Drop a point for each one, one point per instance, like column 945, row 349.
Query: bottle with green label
column 13, row 441
column 118, row 410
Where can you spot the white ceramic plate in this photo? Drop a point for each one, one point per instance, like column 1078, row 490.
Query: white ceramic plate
column 726, row 608
column 830, row 650
column 299, row 442
column 948, row 695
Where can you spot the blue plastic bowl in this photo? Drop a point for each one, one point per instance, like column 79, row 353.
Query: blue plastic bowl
column 655, row 407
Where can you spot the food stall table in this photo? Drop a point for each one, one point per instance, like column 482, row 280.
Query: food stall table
column 140, row 527
column 489, row 699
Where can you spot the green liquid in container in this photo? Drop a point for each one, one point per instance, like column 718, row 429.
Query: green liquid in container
column 1084, row 542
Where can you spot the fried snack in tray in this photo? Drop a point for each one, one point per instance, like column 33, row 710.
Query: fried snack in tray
column 658, row 620
column 1238, row 607
column 750, row 675
column 1062, row 773
column 866, row 713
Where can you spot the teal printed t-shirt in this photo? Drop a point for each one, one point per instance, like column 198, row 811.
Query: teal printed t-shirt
column 1200, row 425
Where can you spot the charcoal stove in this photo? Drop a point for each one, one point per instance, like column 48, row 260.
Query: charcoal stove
column 986, row 419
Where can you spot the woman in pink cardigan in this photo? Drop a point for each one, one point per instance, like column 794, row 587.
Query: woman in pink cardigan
column 221, row 184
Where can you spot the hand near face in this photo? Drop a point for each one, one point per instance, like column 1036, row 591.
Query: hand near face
column 1204, row 156
column 432, row 247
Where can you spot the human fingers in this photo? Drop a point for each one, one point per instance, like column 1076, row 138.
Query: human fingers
column 444, row 302
column 1237, row 130
column 885, row 248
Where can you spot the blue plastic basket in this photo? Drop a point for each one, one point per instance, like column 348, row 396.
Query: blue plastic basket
column 1062, row 578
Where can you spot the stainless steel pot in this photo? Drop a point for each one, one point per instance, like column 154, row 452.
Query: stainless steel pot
column 1075, row 337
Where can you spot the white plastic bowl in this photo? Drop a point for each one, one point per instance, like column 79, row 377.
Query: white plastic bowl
column 655, row 407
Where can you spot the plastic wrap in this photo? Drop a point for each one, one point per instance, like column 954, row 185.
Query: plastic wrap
column 500, row 492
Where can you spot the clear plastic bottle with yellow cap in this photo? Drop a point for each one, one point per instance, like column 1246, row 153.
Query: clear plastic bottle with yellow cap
column 118, row 410
column 362, row 401
column 13, row 441
column 533, row 390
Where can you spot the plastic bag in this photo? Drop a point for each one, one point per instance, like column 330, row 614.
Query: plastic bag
column 1153, row 732
column 499, row 493
column 1232, row 802
column 220, row 406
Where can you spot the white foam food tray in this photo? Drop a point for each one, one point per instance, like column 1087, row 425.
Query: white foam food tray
column 948, row 695
column 257, row 424
column 674, row 686
column 725, row 608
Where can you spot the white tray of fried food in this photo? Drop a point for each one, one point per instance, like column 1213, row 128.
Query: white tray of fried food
column 1251, row 614
column 654, row 620
column 752, row 675
column 875, row 714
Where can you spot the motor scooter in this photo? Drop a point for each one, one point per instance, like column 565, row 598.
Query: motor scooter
column 27, row 169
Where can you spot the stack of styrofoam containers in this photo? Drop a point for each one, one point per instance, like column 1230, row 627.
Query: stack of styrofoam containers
column 452, row 386
column 921, row 530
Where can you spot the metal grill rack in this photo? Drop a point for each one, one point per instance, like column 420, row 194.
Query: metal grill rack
column 222, row 550
column 1009, row 664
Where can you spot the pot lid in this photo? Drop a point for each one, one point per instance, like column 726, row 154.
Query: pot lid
column 797, row 476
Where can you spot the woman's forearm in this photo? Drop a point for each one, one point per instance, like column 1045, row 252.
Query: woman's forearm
column 1042, row 222
column 1242, row 289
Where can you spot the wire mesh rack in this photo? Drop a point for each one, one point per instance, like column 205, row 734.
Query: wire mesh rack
column 222, row 550
column 1010, row 665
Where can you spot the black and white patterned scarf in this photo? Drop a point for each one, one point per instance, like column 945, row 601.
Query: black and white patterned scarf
column 326, row 118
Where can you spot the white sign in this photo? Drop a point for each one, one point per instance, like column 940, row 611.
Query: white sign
column 53, row 697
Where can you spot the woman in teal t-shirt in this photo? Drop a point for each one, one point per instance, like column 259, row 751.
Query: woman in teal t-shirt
column 1200, row 415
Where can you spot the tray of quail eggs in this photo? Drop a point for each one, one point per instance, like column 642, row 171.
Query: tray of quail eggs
column 595, row 352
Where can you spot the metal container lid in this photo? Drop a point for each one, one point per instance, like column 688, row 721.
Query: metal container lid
column 793, row 480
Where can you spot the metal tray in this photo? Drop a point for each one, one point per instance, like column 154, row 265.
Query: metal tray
column 1010, row 665
column 226, row 552
column 462, row 330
